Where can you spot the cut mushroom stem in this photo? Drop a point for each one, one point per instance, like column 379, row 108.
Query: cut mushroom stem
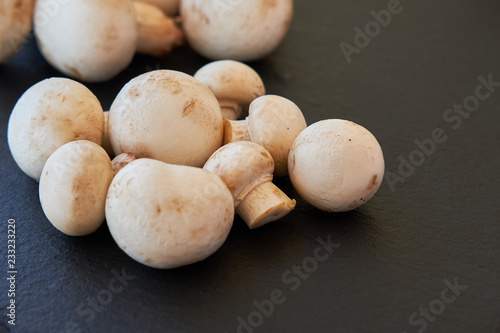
column 264, row 204
column 236, row 130
column 158, row 33
column 120, row 161
column 247, row 170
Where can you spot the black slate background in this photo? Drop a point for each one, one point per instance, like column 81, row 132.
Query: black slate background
column 441, row 223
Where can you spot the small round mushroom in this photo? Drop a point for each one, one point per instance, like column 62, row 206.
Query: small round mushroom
column 170, row 7
column 239, row 30
column 91, row 40
column 74, row 185
column 15, row 25
column 247, row 169
column 168, row 116
column 158, row 33
column 273, row 122
column 166, row 216
column 235, row 85
column 49, row 114
column 336, row 165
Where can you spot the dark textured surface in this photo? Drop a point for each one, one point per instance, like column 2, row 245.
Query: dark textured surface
column 441, row 223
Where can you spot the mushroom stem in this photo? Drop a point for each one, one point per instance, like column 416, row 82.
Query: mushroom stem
column 236, row 130
column 266, row 203
column 230, row 110
column 158, row 33
column 120, row 161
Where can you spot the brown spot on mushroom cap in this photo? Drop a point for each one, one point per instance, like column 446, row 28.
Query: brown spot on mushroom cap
column 134, row 92
column 188, row 108
column 373, row 183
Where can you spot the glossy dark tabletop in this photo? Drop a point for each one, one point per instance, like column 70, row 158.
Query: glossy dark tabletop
column 422, row 256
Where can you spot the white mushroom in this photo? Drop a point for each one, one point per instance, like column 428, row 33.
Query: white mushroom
column 158, row 33
column 168, row 116
column 166, row 216
column 15, row 25
column 235, row 85
column 336, row 165
column 91, row 40
column 247, row 170
column 74, row 185
column 49, row 114
column 170, row 7
column 240, row 30
column 273, row 122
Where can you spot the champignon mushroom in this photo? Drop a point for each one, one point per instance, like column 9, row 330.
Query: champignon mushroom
column 168, row 116
column 239, row 30
column 15, row 25
column 235, row 85
column 49, row 114
column 273, row 122
column 166, row 216
column 74, row 185
column 170, row 7
column 247, row 170
column 158, row 33
column 91, row 40
column 336, row 165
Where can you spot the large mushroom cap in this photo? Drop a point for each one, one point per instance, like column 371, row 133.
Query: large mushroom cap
column 49, row 114
column 232, row 82
column 91, row 40
column 15, row 25
column 274, row 122
column 336, row 165
column 166, row 216
column 74, row 185
column 168, row 116
column 239, row 30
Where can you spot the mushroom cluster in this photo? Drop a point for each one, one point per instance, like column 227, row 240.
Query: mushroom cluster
column 95, row 40
column 177, row 156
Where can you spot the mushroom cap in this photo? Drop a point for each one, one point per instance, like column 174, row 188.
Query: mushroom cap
column 170, row 7
column 15, row 25
column 168, row 116
column 242, row 166
column 49, row 114
column 166, row 216
column 232, row 80
column 274, row 122
column 239, row 30
column 74, row 185
column 91, row 40
column 336, row 165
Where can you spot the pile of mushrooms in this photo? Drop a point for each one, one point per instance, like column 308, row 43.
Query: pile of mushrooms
column 94, row 40
column 177, row 156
